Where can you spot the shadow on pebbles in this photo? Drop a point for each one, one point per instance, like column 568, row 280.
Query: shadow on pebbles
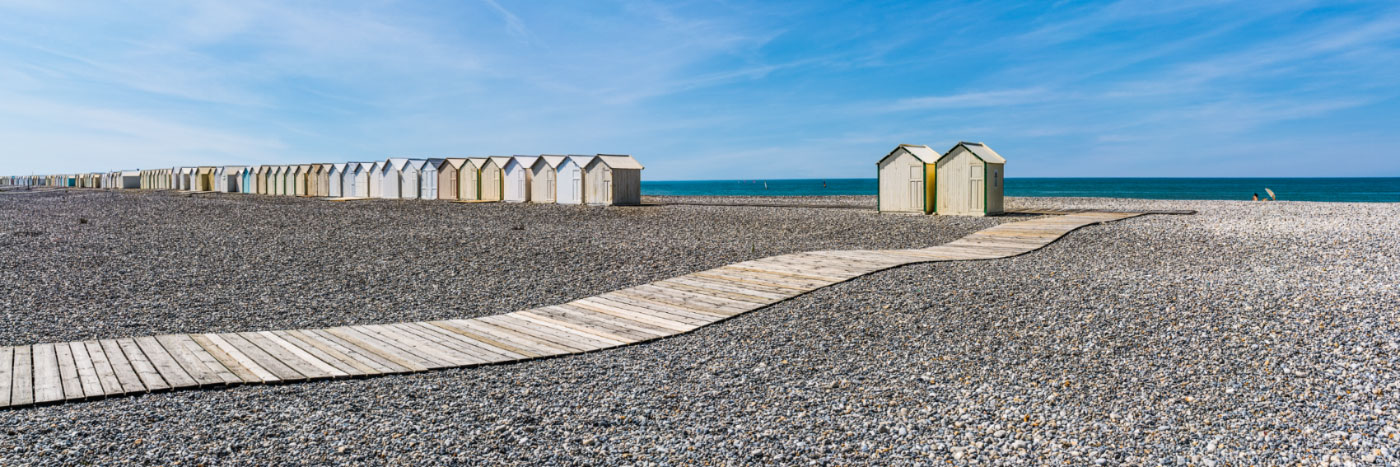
column 1251, row 333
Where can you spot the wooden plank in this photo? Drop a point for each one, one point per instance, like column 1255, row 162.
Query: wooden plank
column 811, row 268
column 885, row 258
column 784, row 286
column 775, row 294
column 7, row 369
column 705, row 299
column 22, row 377
column 597, row 331
column 68, row 372
column 632, row 330
column 241, row 366
column 930, row 256
column 48, row 382
column 326, row 353
column 411, row 345
column 488, row 339
column 488, row 350
column 356, row 350
column 733, row 290
column 280, row 371
column 826, row 264
column 303, row 356
column 87, row 372
column 212, row 363
column 579, row 343
column 783, row 271
column 131, row 380
column 854, row 261
column 437, row 345
column 512, row 337
column 169, row 369
column 671, row 317
column 200, row 373
column 371, row 345
column 276, row 351
column 106, row 374
column 393, row 344
column 696, row 306
column 671, row 305
column 626, row 308
column 525, row 331
column 570, row 336
column 486, row 353
column 640, row 329
column 389, row 344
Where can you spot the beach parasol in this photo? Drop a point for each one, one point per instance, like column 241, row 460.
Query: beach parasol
column 1271, row 194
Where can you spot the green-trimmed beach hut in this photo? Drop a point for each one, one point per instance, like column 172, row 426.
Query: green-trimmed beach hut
column 907, row 179
column 970, row 181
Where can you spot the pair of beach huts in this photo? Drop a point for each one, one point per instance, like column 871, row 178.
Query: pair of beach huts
column 967, row 180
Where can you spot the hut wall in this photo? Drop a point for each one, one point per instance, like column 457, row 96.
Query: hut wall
column 569, row 187
column 543, row 184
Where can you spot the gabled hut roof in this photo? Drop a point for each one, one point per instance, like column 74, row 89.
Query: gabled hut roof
column 525, row 161
column 478, row 162
column 981, row 151
column 397, row 163
column 455, row 162
column 582, row 159
column 619, row 161
column 500, row 161
column 340, row 167
column 923, row 153
column 552, row 160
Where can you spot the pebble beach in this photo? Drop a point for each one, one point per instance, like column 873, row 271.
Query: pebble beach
column 1246, row 334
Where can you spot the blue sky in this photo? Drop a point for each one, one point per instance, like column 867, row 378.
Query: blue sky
column 703, row 90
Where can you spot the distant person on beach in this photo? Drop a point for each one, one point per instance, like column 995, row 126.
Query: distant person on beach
column 1256, row 196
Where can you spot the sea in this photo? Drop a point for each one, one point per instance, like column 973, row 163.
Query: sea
column 1374, row 190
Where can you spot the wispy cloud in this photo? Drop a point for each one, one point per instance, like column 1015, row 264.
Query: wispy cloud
column 972, row 99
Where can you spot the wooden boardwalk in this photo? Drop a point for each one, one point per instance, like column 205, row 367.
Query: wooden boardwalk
column 71, row 371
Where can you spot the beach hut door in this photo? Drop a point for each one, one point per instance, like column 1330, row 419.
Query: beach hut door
column 576, row 185
column 916, row 187
column 976, row 189
column 607, row 186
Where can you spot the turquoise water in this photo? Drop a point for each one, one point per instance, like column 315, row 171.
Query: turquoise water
column 1287, row 189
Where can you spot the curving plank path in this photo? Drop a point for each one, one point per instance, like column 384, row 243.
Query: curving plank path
column 70, row 371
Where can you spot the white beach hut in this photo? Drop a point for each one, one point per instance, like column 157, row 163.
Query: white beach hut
column 969, row 181
column 335, row 177
column 544, row 183
column 391, row 178
column 570, row 179
column 362, row 178
column 428, row 179
column 375, row 179
column 517, row 179
column 412, row 178
column 347, row 179
column 905, row 179
column 613, row 179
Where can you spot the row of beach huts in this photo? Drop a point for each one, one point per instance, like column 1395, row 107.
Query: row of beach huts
column 601, row 179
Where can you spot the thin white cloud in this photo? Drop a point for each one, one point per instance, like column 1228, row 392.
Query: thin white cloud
column 1008, row 97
